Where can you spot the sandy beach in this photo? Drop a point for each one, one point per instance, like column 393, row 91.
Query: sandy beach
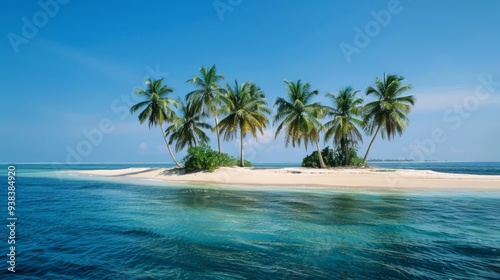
column 368, row 178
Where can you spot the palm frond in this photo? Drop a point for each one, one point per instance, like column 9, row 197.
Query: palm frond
column 389, row 111
column 297, row 115
column 158, row 108
column 246, row 108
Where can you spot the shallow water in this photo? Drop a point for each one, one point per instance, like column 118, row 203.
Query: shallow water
column 84, row 229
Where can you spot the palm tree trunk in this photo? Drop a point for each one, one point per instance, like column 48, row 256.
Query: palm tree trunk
column 344, row 147
column 242, row 160
column 320, row 156
column 168, row 147
column 369, row 146
column 218, row 132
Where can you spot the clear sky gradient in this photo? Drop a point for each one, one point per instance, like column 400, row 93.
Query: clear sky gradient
column 69, row 70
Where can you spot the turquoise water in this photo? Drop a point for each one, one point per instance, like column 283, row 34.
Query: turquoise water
column 477, row 168
column 84, row 229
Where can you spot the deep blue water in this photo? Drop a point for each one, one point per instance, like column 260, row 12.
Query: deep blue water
column 84, row 229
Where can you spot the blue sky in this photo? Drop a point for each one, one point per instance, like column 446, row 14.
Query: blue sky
column 69, row 70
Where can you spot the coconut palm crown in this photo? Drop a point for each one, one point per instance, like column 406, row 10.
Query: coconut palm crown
column 158, row 107
column 187, row 128
column 298, row 116
column 246, row 108
column 207, row 94
column 389, row 112
column 345, row 119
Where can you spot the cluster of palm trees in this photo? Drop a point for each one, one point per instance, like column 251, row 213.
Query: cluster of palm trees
column 244, row 110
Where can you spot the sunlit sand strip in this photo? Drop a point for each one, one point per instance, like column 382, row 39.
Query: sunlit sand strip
column 370, row 178
column 111, row 172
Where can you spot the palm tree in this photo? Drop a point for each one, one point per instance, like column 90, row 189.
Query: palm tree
column 246, row 109
column 344, row 113
column 157, row 107
column 187, row 129
column 207, row 94
column 299, row 117
column 389, row 112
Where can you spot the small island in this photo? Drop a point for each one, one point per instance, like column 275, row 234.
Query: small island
column 242, row 109
column 308, row 178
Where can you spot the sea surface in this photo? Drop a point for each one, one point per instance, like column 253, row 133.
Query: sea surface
column 477, row 168
column 85, row 228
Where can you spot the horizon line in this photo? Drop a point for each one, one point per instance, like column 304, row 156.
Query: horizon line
column 152, row 162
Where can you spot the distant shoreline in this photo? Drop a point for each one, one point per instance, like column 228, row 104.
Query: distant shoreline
column 306, row 178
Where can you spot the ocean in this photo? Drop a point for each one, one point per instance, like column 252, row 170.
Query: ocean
column 81, row 228
column 475, row 168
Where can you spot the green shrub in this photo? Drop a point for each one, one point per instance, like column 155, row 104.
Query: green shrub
column 332, row 158
column 354, row 159
column 203, row 158
column 312, row 160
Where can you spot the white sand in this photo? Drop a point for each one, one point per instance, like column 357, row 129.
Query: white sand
column 369, row 178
